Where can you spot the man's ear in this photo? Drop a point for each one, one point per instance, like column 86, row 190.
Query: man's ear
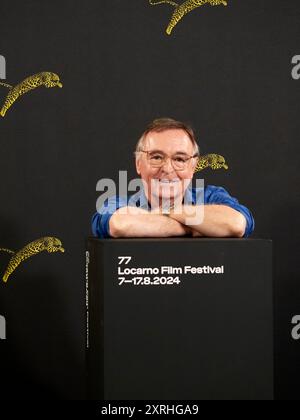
column 138, row 165
column 195, row 162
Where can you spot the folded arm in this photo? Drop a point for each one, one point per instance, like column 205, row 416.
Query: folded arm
column 133, row 222
column 217, row 220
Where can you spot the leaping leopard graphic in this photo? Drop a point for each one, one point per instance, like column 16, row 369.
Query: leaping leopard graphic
column 212, row 161
column 183, row 9
column 49, row 244
column 47, row 79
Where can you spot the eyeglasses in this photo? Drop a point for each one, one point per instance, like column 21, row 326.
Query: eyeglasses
column 158, row 159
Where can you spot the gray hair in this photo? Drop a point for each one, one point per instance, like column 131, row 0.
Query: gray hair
column 163, row 124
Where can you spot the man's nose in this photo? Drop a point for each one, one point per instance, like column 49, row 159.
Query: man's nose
column 167, row 166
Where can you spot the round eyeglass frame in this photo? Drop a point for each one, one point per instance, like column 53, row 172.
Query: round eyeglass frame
column 168, row 157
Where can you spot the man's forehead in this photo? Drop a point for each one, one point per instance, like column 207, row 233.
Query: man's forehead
column 169, row 141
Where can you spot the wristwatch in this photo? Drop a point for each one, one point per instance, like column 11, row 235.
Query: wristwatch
column 167, row 210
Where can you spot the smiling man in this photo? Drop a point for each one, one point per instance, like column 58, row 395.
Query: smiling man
column 166, row 157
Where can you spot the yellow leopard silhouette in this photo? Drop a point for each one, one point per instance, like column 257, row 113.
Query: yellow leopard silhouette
column 47, row 243
column 47, row 79
column 212, row 161
column 183, row 9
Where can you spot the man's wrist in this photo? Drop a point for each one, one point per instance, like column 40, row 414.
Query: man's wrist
column 175, row 209
column 168, row 210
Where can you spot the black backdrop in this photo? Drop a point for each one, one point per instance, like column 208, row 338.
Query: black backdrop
column 225, row 70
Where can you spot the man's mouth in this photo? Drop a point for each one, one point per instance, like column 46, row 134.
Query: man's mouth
column 167, row 181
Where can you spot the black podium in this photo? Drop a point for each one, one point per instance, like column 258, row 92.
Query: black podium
column 179, row 319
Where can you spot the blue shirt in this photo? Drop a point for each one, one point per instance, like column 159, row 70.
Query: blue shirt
column 212, row 195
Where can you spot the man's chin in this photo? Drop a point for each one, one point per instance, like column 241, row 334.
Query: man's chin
column 167, row 197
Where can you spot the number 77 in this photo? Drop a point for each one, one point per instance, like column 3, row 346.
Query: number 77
column 124, row 259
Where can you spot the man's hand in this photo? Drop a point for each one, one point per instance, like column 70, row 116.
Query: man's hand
column 179, row 208
column 216, row 220
column 196, row 234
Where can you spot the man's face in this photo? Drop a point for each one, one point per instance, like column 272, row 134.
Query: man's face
column 166, row 182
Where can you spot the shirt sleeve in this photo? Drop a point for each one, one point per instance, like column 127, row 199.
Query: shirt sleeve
column 100, row 220
column 218, row 195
